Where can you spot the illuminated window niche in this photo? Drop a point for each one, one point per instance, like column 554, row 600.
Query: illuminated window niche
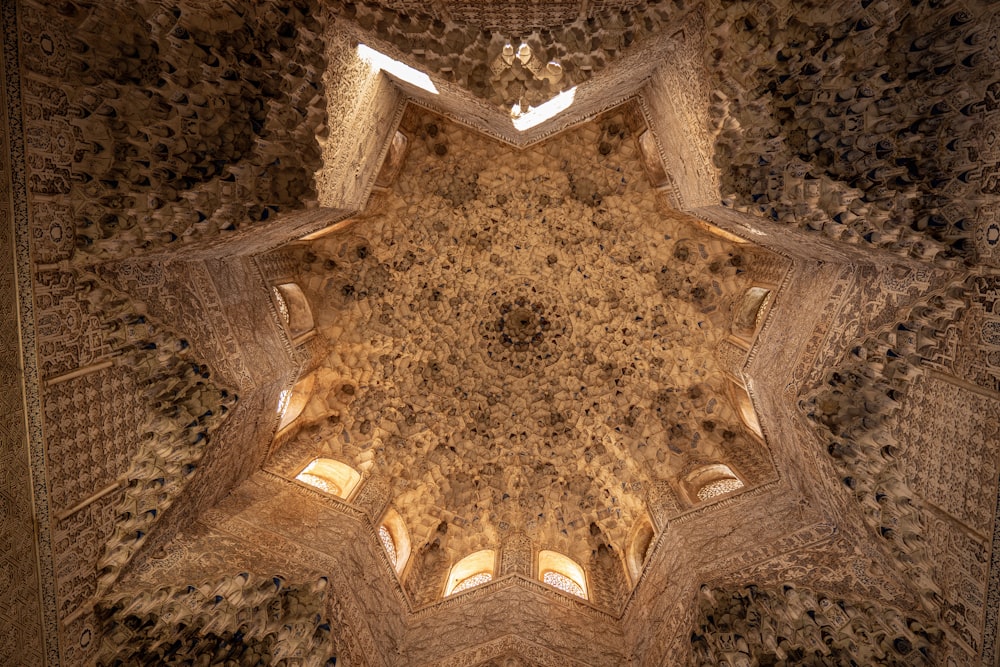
column 294, row 308
column 751, row 312
column 639, row 547
column 291, row 402
column 741, row 397
column 651, row 160
column 393, row 161
column 395, row 539
column 562, row 572
column 475, row 569
column 710, row 482
column 331, row 476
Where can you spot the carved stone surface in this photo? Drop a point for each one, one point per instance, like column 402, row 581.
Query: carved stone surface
column 362, row 111
column 278, row 621
column 522, row 340
column 959, row 486
column 621, row 365
column 799, row 625
column 26, row 636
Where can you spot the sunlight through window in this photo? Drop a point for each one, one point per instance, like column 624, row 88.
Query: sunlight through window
column 563, row 583
column 524, row 120
column 388, row 543
column 473, row 570
column 401, row 71
column 473, row 581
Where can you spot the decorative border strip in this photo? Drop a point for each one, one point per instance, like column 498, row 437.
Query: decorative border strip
column 25, row 303
column 397, row 117
column 511, row 140
column 826, row 530
column 992, row 607
column 675, row 191
column 505, row 645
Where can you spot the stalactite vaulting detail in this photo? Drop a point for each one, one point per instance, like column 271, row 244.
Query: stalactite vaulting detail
column 186, row 138
column 797, row 626
column 239, row 620
column 187, row 407
column 702, row 369
column 856, row 127
column 851, row 411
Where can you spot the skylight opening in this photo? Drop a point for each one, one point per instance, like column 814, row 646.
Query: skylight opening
column 524, row 120
column 292, row 402
column 282, row 306
column 395, row 539
column 283, row 399
column 712, row 481
column 719, row 487
column 401, row 71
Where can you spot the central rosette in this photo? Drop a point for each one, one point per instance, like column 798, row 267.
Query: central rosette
column 522, row 324
column 522, row 329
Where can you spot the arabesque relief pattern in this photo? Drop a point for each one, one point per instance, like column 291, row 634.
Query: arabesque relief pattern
column 477, row 436
column 874, row 124
column 27, row 613
column 279, row 622
column 793, row 626
column 855, row 413
column 517, row 349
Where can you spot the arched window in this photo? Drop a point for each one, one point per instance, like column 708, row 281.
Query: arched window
column 651, row 160
column 751, row 311
column 395, row 539
column 291, row 402
column 719, row 487
column 712, row 481
column 294, row 308
column 393, row 161
column 330, row 476
column 742, row 399
column 474, row 570
column 563, row 573
column 639, row 547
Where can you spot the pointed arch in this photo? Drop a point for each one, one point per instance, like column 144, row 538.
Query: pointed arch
column 751, row 311
column 741, row 397
column 293, row 306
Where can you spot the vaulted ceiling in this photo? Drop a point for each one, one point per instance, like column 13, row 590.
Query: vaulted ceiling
column 722, row 330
